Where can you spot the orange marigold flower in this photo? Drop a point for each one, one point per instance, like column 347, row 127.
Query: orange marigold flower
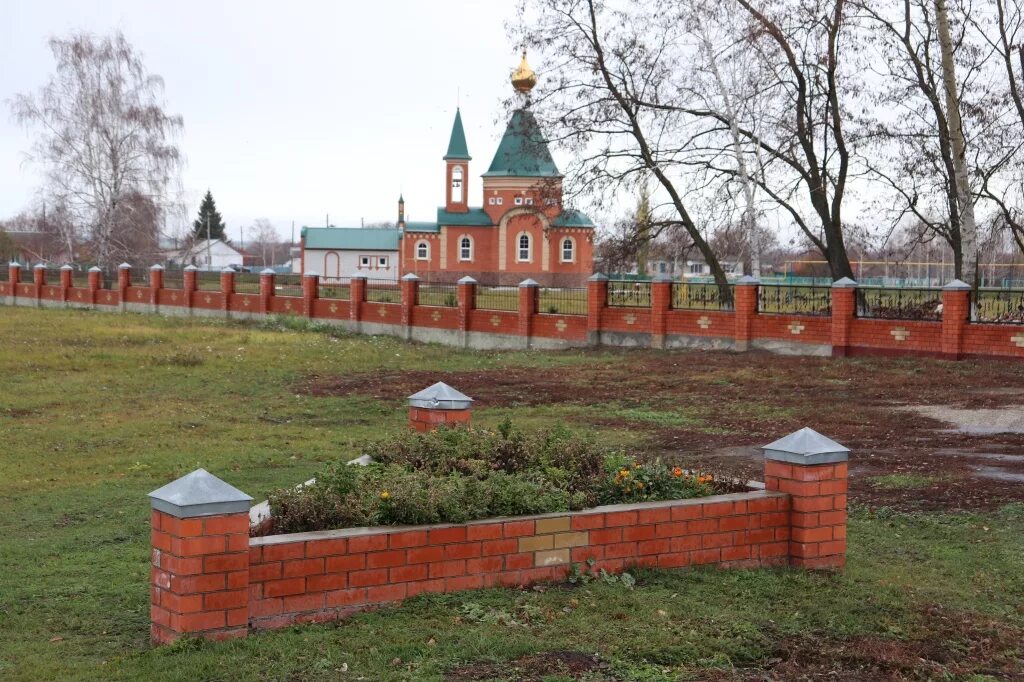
column 677, row 472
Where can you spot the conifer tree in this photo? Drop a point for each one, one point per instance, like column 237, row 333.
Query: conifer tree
column 208, row 209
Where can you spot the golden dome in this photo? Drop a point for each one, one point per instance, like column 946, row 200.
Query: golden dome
column 523, row 78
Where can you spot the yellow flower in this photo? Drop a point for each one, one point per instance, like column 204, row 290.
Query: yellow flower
column 384, row 495
column 624, row 473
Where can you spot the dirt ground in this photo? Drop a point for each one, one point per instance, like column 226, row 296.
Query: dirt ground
column 711, row 410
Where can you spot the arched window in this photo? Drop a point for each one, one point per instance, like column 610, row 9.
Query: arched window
column 457, row 185
column 422, row 251
column 332, row 264
column 466, row 248
column 523, row 251
column 568, row 250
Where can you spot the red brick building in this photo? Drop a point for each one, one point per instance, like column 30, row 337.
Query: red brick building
column 521, row 229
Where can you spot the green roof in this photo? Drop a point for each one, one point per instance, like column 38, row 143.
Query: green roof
column 572, row 218
column 351, row 238
column 475, row 217
column 523, row 151
column 457, row 148
column 421, row 226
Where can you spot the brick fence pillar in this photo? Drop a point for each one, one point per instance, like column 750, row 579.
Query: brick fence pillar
column 597, row 301
column 528, row 291
column 813, row 470
column 39, row 280
column 357, row 296
column 227, row 287
column 124, row 281
column 66, row 280
column 95, row 281
column 844, row 310
column 467, row 301
column 746, row 308
column 200, row 573
column 310, row 289
column 156, row 283
column 410, row 291
column 439, row 404
column 266, row 290
column 956, row 314
column 189, row 285
column 661, row 301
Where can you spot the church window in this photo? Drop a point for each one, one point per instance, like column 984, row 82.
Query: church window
column 466, row 248
column 457, row 185
column 524, row 248
column 422, row 251
column 568, row 250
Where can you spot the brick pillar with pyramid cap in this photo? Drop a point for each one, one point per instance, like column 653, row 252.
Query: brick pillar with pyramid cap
column 200, row 574
column 813, row 470
column 437, row 405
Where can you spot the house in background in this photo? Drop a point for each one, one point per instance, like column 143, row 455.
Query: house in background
column 213, row 255
column 346, row 251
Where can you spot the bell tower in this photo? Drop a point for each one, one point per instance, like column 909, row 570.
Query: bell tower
column 401, row 212
column 457, row 169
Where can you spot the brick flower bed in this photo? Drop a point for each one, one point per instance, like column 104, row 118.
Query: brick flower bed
column 211, row 579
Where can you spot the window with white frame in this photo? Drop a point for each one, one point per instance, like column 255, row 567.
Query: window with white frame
column 696, row 268
column 382, row 261
column 529, row 201
column 524, row 248
column 490, row 200
column 466, row 248
column 499, row 200
column 519, row 201
column 568, row 250
column 422, row 251
column 364, row 261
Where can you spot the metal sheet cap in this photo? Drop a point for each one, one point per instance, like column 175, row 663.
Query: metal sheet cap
column 440, row 396
column 806, row 446
column 199, row 493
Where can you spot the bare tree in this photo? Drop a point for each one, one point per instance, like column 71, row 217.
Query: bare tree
column 606, row 66
column 264, row 242
column 102, row 135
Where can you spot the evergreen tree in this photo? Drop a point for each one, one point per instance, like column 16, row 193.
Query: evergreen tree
column 208, row 209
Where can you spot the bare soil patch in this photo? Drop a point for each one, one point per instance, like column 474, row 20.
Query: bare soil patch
column 732, row 403
column 570, row 665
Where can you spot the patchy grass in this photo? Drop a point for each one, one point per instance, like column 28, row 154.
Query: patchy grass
column 96, row 410
column 905, row 481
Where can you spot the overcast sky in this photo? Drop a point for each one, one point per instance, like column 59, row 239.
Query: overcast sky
column 293, row 110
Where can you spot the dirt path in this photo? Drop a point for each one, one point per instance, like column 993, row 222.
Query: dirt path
column 711, row 409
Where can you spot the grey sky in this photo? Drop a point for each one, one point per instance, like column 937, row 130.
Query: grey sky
column 292, row 110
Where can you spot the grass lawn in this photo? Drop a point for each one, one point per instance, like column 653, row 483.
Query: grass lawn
column 96, row 410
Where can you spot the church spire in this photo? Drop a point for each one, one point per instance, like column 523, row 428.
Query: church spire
column 457, row 149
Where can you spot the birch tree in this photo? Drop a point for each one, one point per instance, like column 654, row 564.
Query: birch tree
column 103, row 136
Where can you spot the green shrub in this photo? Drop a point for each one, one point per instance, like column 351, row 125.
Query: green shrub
column 454, row 475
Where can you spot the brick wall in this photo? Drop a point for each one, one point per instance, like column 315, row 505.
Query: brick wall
column 309, row 577
column 843, row 333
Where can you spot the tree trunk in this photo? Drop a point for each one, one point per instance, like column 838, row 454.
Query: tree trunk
column 967, row 268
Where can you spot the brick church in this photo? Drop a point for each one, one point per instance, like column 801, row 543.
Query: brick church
column 521, row 229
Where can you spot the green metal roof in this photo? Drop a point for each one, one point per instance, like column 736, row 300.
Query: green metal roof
column 421, row 226
column 572, row 218
column 475, row 217
column 523, row 151
column 457, row 148
column 351, row 238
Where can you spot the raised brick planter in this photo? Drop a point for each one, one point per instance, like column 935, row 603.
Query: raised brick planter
column 210, row 579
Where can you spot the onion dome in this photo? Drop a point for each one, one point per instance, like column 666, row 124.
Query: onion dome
column 523, row 78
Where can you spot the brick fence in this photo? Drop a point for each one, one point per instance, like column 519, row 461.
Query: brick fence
column 210, row 579
column 840, row 333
